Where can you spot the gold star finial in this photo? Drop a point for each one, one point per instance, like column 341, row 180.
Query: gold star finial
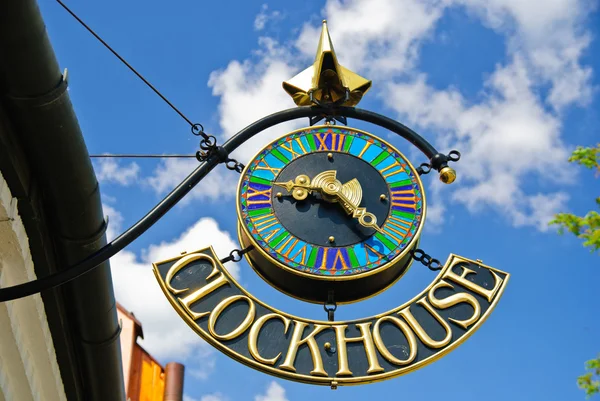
column 326, row 82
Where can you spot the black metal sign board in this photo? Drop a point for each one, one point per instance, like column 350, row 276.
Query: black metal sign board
column 375, row 348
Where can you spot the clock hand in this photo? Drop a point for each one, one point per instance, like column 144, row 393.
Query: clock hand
column 299, row 188
column 329, row 185
column 366, row 219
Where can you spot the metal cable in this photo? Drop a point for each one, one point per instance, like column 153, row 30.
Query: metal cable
column 90, row 30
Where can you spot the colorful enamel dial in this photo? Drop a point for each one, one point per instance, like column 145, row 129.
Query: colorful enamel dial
column 332, row 212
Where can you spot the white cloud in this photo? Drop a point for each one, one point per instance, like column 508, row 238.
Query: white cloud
column 213, row 397
column 510, row 137
column 274, row 392
column 115, row 221
column 166, row 335
column 264, row 17
column 109, row 170
column 220, row 183
column 503, row 140
column 379, row 37
column 203, row 371
column 550, row 36
column 250, row 90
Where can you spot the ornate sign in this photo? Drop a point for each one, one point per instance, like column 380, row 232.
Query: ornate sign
column 331, row 214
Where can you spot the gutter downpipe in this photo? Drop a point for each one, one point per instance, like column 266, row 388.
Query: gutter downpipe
column 42, row 114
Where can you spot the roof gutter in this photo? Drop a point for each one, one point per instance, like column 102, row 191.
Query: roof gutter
column 47, row 131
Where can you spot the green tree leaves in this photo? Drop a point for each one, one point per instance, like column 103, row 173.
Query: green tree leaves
column 587, row 227
column 590, row 382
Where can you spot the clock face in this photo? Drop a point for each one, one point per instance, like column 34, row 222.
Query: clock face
column 302, row 203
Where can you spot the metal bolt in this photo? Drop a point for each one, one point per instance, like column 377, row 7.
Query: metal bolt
column 330, row 156
column 382, row 197
column 327, row 346
column 279, row 194
column 332, row 239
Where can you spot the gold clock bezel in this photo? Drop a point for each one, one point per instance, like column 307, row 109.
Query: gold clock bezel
column 376, row 270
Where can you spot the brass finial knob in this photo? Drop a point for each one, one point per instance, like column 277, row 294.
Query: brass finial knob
column 447, row 175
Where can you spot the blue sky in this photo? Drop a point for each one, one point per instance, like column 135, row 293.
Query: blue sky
column 513, row 85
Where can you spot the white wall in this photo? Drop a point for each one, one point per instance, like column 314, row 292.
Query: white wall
column 28, row 367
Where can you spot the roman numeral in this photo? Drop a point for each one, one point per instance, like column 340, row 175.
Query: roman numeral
column 263, row 222
column 301, row 251
column 339, row 257
column 398, row 222
column 321, row 138
column 282, row 247
column 290, row 148
column 270, row 233
column 374, row 251
column 389, row 230
column 252, row 192
column 364, row 149
column 324, row 260
column 406, row 205
column 391, row 166
column 266, row 166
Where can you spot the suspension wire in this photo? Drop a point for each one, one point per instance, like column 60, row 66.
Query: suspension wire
column 127, row 156
column 125, row 62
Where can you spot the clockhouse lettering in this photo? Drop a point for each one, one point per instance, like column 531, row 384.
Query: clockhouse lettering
column 371, row 349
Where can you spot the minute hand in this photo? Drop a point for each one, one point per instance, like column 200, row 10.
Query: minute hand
column 360, row 212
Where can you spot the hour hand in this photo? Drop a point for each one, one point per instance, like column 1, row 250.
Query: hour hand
column 299, row 188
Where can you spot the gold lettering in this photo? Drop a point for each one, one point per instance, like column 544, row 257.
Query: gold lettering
column 366, row 338
column 284, row 244
column 290, row 149
column 410, row 338
column 287, row 253
column 255, row 192
column 201, row 292
column 271, row 234
column 339, row 257
column 406, row 205
column 418, row 329
column 398, row 222
column 340, row 142
column 273, row 170
column 462, row 280
column 263, row 222
column 253, row 337
column 299, row 142
column 391, row 166
column 362, row 152
column 297, row 341
column 212, row 320
column 321, row 139
column 453, row 300
column 301, row 251
column 368, row 248
column 324, row 260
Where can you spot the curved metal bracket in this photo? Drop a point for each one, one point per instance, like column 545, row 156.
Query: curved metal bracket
column 133, row 232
